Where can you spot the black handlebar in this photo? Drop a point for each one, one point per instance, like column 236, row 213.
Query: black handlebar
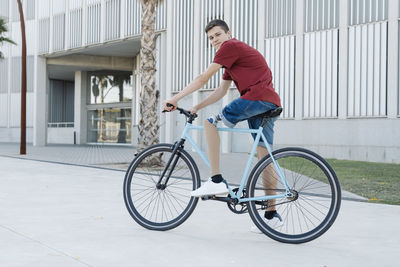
column 185, row 112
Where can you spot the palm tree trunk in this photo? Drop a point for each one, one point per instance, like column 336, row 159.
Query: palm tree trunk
column 149, row 95
column 23, row 82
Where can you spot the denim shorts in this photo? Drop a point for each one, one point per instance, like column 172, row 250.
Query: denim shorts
column 242, row 109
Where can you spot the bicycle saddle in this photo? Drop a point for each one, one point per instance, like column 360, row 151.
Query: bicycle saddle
column 270, row 113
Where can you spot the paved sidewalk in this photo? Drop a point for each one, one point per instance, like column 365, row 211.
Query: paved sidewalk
column 65, row 215
column 73, row 154
column 119, row 157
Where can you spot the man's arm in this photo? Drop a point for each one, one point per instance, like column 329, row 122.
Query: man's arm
column 219, row 93
column 196, row 84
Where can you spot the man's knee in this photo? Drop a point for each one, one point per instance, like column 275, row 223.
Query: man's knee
column 213, row 120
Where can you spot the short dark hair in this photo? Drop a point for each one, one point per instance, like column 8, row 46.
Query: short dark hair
column 217, row 22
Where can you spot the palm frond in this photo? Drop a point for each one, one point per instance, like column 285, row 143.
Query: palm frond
column 3, row 29
column 4, row 39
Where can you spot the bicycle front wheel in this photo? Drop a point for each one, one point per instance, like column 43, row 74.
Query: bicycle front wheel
column 315, row 202
column 167, row 207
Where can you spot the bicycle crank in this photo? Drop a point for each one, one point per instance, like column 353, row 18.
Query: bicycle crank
column 235, row 206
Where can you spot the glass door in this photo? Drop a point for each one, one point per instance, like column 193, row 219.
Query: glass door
column 109, row 107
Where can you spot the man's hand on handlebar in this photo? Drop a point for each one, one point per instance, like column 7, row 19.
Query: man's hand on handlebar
column 193, row 110
column 169, row 105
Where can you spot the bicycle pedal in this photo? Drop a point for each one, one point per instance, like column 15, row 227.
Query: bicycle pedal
column 208, row 197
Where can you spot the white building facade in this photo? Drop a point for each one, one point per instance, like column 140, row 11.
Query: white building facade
column 335, row 65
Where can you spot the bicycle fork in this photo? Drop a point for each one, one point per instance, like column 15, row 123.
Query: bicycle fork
column 174, row 160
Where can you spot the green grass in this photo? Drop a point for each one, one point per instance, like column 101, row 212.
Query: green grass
column 379, row 182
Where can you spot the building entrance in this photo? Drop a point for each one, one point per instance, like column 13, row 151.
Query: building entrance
column 109, row 107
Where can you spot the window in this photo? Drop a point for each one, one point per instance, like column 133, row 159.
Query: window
column 61, row 113
column 107, row 87
column 110, row 125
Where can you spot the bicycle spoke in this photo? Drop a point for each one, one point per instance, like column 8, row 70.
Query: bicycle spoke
column 170, row 201
column 175, row 203
column 176, row 198
column 149, row 204
column 310, row 200
column 181, row 188
column 148, row 174
column 136, row 200
column 308, row 213
column 142, row 191
column 164, row 207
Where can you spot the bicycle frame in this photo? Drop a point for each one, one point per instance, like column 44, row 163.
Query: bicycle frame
column 260, row 135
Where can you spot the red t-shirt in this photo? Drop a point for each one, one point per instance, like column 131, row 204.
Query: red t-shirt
column 248, row 69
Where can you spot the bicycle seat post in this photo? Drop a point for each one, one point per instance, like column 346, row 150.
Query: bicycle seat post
column 265, row 120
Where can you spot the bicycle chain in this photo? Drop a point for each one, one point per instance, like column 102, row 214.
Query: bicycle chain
column 267, row 206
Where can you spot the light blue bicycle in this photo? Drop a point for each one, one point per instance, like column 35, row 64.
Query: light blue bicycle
column 306, row 191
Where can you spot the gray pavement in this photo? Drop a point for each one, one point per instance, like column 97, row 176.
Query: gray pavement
column 119, row 157
column 65, row 215
column 94, row 155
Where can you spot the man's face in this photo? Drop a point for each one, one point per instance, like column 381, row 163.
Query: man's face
column 217, row 36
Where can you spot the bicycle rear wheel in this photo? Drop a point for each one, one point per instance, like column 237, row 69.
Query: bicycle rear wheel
column 161, row 208
column 316, row 195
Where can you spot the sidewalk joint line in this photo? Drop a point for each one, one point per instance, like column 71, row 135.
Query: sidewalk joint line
column 64, row 163
column 44, row 245
column 120, row 170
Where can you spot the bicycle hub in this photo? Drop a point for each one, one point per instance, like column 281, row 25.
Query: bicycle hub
column 161, row 186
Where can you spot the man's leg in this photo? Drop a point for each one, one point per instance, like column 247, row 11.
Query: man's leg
column 269, row 176
column 215, row 185
column 213, row 146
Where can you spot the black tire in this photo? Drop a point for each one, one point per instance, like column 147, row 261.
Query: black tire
column 318, row 196
column 160, row 209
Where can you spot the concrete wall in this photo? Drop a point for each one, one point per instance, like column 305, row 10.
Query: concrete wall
column 341, row 134
column 354, row 139
column 372, row 139
column 13, row 135
column 60, row 136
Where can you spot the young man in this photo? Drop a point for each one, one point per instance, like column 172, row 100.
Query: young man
column 248, row 69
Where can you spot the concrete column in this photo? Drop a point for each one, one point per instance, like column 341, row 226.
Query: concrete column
column 261, row 27
column 51, row 28
column 162, row 74
column 343, row 60
column 103, row 21
column 227, row 12
column 80, row 111
column 169, row 119
column 298, row 80
column 67, row 26
column 123, row 21
column 8, row 54
column 84, row 22
column 198, row 31
column 393, row 59
column 226, row 138
column 40, row 117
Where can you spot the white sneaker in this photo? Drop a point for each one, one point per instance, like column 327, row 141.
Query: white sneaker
column 210, row 188
column 274, row 223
